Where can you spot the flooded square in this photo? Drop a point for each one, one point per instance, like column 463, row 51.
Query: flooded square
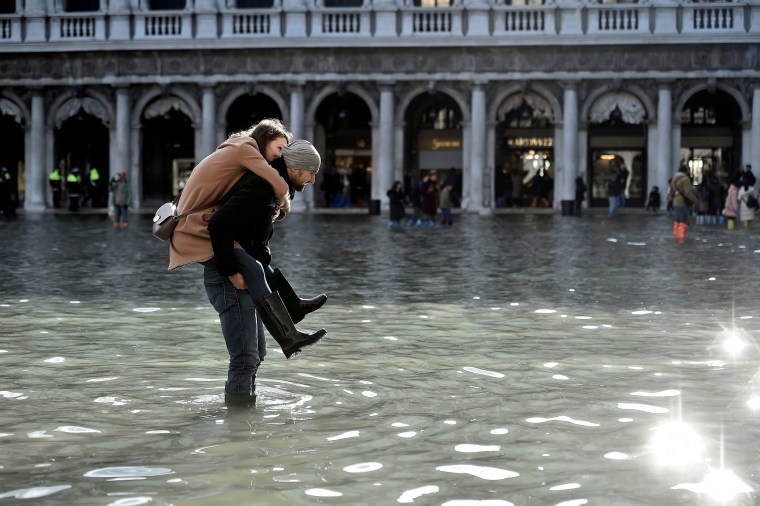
column 515, row 359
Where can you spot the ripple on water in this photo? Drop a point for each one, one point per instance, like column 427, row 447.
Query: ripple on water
column 363, row 467
column 128, row 472
column 410, row 495
column 482, row 472
column 33, row 493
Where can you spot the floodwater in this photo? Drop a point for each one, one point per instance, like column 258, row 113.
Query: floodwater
column 514, row 359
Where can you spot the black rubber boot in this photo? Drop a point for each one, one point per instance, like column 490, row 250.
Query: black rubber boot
column 278, row 322
column 297, row 307
column 246, row 401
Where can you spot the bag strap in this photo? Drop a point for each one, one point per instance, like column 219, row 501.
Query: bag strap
column 192, row 211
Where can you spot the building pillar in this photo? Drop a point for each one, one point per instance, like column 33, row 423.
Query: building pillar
column 305, row 199
column 36, row 180
column 382, row 176
column 35, row 13
column 296, row 123
column 478, row 146
column 206, row 24
column 664, row 169
column 569, row 171
column 120, row 152
column 118, row 20
column 755, row 148
column 208, row 124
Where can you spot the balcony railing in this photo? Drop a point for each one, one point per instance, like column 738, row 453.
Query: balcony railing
column 566, row 23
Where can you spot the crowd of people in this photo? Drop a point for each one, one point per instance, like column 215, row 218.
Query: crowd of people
column 427, row 197
column 709, row 201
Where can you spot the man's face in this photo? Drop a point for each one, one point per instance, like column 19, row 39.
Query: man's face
column 274, row 149
column 300, row 178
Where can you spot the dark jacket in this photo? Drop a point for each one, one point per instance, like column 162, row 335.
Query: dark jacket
column 245, row 217
column 397, row 203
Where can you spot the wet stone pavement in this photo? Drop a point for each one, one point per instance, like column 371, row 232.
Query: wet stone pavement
column 514, row 359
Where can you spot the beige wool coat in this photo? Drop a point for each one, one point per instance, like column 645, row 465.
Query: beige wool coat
column 208, row 183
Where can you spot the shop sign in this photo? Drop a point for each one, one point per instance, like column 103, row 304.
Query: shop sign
column 530, row 142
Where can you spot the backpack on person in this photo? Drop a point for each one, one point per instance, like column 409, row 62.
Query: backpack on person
column 752, row 202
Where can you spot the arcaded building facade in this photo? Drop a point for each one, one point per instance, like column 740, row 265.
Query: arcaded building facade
column 488, row 92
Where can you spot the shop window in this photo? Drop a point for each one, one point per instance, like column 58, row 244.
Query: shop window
column 81, row 5
column 254, row 4
column 433, row 3
column 166, row 5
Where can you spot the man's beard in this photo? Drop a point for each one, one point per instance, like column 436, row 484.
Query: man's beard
column 299, row 188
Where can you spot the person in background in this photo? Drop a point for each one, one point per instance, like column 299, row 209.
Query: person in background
column 683, row 197
column 731, row 204
column 717, row 197
column 122, row 195
column 654, row 199
column 6, row 196
column 703, row 202
column 429, row 199
column 613, row 194
column 55, row 186
column 580, row 193
column 74, row 188
column 746, row 213
column 397, row 203
column 446, row 204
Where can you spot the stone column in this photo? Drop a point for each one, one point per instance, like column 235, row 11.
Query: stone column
column 478, row 145
column 477, row 18
column 35, row 12
column 295, row 21
column 118, row 16
column 36, row 187
column 382, row 176
column 206, row 25
column 208, row 124
column 664, row 136
column 385, row 18
column 569, row 171
column 296, row 109
column 755, row 149
column 305, row 199
column 120, row 152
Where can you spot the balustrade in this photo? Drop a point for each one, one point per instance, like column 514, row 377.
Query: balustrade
column 495, row 20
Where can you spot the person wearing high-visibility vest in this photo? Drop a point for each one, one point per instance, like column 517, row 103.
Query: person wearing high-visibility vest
column 7, row 193
column 73, row 188
column 55, row 185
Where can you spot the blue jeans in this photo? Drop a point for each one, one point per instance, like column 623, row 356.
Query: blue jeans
column 242, row 329
column 121, row 214
column 613, row 205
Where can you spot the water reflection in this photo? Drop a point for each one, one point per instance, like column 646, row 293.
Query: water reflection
column 514, row 360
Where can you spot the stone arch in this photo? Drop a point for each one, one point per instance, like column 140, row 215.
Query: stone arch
column 237, row 92
column 615, row 96
column 515, row 89
column 182, row 101
column 733, row 92
column 12, row 105
column 69, row 104
column 411, row 94
column 328, row 90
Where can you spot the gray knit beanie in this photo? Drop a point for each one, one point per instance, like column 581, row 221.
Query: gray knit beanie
column 301, row 155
